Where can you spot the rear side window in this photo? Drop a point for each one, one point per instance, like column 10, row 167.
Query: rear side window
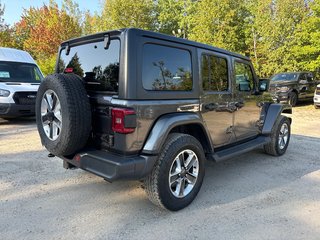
column 166, row 68
column 214, row 73
column 94, row 63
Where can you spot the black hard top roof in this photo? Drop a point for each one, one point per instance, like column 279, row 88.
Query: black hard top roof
column 155, row 35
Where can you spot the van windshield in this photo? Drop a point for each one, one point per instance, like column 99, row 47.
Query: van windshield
column 19, row 72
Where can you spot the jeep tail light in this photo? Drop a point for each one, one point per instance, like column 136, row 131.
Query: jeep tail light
column 123, row 120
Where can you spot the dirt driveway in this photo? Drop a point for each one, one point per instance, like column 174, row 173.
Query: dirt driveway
column 253, row 196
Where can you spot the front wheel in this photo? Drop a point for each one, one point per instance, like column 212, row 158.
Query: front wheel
column 178, row 174
column 293, row 99
column 280, row 137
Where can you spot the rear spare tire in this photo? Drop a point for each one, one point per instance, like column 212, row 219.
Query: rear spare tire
column 63, row 114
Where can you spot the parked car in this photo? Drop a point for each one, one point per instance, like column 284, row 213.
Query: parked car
column 133, row 104
column 316, row 98
column 20, row 78
column 292, row 87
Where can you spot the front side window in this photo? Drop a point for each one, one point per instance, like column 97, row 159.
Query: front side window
column 166, row 68
column 303, row 76
column 94, row 64
column 19, row 72
column 244, row 77
column 214, row 73
column 310, row 77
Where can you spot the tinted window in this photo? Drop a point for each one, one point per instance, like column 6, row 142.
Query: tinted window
column 19, row 72
column 166, row 68
column 214, row 73
column 303, row 76
column 94, row 64
column 244, row 77
column 284, row 77
column 310, row 77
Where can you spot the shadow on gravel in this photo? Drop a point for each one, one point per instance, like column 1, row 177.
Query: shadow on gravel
column 39, row 192
column 21, row 120
column 226, row 181
column 256, row 172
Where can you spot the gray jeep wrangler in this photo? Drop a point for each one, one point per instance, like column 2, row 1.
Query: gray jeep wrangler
column 133, row 104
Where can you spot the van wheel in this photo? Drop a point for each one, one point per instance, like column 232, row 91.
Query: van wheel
column 316, row 106
column 178, row 173
column 63, row 114
column 280, row 137
column 293, row 99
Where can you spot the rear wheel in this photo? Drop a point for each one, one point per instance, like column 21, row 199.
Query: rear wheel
column 316, row 106
column 178, row 174
column 63, row 114
column 280, row 137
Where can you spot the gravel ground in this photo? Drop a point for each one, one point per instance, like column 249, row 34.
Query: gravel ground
column 253, row 196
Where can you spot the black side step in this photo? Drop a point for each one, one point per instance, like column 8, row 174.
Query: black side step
column 239, row 149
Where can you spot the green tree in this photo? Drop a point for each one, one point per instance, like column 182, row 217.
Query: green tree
column 118, row 14
column 306, row 47
column 175, row 16
column 270, row 31
column 220, row 23
column 5, row 30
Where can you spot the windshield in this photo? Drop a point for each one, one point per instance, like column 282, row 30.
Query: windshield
column 96, row 65
column 19, row 72
column 285, row 77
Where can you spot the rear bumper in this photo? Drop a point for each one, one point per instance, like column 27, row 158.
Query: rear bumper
column 113, row 167
column 15, row 110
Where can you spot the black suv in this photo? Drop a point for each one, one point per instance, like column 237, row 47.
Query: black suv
column 292, row 87
column 133, row 104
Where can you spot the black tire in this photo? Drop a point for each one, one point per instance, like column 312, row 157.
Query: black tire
column 293, row 99
column 157, row 184
column 273, row 148
column 75, row 113
column 316, row 106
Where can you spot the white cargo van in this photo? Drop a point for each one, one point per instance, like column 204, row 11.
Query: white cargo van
column 20, row 78
column 316, row 98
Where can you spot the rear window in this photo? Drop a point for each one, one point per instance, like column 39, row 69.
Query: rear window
column 166, row 68
column 19, row 72
column 95, row 64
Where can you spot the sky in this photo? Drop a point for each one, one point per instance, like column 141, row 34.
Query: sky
column 14, row 8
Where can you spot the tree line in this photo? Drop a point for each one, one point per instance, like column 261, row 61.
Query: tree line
column 278, row 35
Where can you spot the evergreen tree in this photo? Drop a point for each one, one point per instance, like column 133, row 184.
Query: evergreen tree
column 76, row 65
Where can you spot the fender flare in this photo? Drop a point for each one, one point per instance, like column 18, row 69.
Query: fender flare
column 164, row 125
column 273, row 112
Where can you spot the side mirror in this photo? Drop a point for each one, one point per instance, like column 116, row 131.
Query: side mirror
column 263, row 86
